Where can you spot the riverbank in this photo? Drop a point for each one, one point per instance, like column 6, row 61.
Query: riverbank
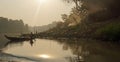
column 105, row 31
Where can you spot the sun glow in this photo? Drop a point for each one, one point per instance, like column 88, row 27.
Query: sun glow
column 44, row 56
column 42, row 1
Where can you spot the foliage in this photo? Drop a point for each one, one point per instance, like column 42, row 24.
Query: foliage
column 97, row 19
column 109, row 32
column 110, row 7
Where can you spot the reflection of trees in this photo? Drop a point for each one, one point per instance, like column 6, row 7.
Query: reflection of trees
column 17, row 43
column 78, row 49
column 14, row 43
column 91, row 51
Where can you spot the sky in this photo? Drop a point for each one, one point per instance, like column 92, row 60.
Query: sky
column 34, row 12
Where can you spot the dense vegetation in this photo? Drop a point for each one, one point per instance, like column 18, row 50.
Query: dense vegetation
column 12, row 26
column 96, row 19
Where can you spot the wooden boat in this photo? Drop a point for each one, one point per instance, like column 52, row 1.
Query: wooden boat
column 18, row 38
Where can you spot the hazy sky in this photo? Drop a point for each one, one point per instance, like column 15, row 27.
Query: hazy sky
column 34, row 12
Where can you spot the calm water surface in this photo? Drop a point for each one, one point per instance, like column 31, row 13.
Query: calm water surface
column 45, row 50
column 42, row 50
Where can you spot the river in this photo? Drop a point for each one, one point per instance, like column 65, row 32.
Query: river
column 62, row 50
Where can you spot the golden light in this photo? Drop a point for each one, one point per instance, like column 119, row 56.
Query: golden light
column 44, row 56
column 42, row 1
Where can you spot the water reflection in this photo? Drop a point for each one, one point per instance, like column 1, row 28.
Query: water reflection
column 6, row 57
column 31, row 42
column 66, row 50
column 11, row 43
column 45, row 56
column 78, row 52
column 91, row 51
column 43, row 50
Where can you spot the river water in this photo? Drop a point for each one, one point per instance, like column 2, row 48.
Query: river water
column 62, row 50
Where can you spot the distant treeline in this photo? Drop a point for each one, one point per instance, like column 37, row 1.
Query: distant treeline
column 43, row 27
column 12, row 26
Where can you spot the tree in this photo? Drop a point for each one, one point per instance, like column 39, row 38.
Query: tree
column 79, row 10
column 111, row 7
column 77, row 3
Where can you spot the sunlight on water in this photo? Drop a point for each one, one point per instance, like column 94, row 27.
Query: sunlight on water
column 44, row 56
column 42, row 49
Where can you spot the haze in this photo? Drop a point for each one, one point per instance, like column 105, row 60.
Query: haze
column 34, row 12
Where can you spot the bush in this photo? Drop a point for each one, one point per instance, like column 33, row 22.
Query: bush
column 109, row 32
